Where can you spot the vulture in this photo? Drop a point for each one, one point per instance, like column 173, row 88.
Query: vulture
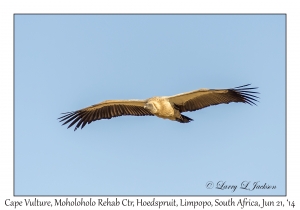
column 166, row 107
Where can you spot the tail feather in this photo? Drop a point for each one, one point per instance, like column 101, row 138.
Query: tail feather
column 184, row 119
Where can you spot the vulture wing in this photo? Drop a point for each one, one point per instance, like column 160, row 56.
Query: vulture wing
column 104, row 110
column 202, row 98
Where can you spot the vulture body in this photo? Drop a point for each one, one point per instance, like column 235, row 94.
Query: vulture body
column 166, row 107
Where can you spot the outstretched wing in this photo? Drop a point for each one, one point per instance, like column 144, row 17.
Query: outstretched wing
column 202, row 98
column 104, row 110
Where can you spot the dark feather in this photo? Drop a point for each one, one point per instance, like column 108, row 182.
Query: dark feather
column 86, row 116
column 213, row 97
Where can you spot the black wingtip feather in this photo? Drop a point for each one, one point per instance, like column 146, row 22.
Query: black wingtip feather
column 247, row 95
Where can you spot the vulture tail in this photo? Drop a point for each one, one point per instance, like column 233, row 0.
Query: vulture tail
column 184, row 119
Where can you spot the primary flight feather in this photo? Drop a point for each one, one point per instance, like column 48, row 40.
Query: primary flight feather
column 166, row 107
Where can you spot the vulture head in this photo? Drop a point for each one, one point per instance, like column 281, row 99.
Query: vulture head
column 151, row 107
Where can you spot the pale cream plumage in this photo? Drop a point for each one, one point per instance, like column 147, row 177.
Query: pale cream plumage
column 167, row 107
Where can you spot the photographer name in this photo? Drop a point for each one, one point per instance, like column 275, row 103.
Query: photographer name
column 245, row 185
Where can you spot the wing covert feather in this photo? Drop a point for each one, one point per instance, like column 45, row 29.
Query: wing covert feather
column 104, row 110
column 202, row 98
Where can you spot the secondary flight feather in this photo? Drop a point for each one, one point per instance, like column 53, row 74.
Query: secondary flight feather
column 166, row 107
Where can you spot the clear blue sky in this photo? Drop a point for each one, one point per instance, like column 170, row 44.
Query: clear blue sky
column 68, row 62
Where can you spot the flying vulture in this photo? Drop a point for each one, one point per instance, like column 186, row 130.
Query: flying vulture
column 166, row 107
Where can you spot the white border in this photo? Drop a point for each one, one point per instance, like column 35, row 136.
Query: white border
column 8, row 8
